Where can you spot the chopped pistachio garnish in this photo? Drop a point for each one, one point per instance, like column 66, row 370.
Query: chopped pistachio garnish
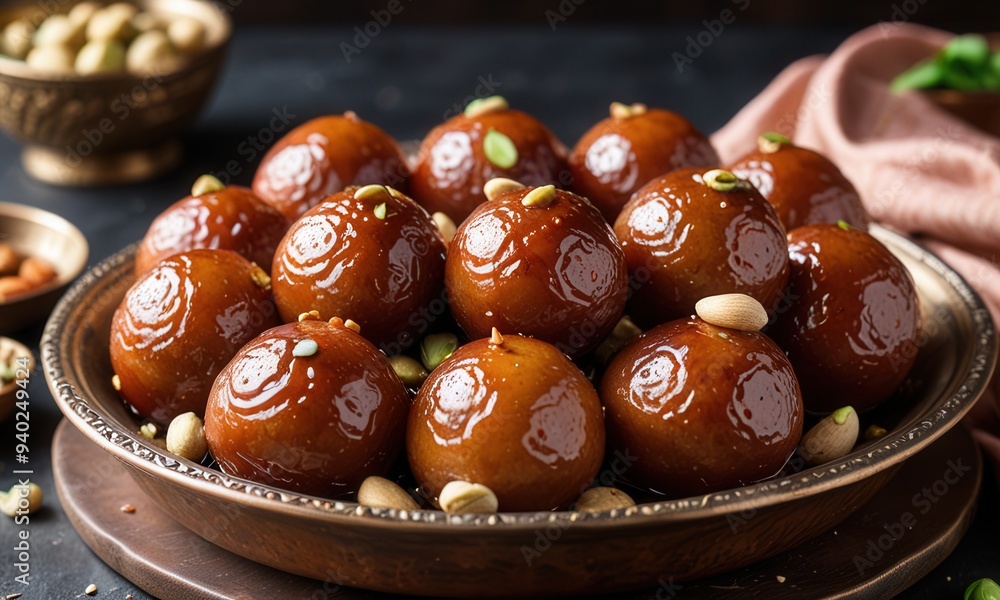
column 305, row 347
column 499, row 149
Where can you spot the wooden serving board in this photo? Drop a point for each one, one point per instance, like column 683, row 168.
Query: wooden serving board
column 906, row 530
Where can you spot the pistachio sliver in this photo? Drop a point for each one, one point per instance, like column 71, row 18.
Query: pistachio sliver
column 206, row 184
column 983, row 589
column 305, row 348
column 539, row 197
column 499, row 149
column 409, row 370
column 770, row 142
column 720, row 180
column 435, row 348
column 482, row 106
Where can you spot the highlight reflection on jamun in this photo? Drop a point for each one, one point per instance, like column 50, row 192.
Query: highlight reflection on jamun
column 324, row 156
column 622, row 153
column 539, row 262
column 852, row 328
column 371, row 253
column 803, row 186
column 511, row 413
column 489, row 140
column 310, row 407
column 180, row 323
column 702, row 408
column 694, row 233
column 220, row 217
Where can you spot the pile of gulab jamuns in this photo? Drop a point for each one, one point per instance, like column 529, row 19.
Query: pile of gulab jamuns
column 499, row 323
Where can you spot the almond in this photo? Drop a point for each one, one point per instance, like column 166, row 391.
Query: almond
column 379, row 492
column 734, row 311
column 602, row 499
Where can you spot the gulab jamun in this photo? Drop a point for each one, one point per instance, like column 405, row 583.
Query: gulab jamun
column 511, row 413
column 310, row 407
column 852, row 327
column 324, row 156
column 803, row 186
column 701, row 408
column 180, row 323
column 624, row 152
column 694, row 233
column 371, row 253
column 540, row 262
column 489, row 140
column 221, row 217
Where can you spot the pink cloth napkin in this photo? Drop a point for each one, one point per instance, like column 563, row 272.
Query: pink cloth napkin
column 918, row 169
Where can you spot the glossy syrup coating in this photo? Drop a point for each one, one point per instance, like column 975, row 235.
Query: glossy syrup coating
column 452, row 166
column 852, row 328
column 377, row 260
column 685, row 241
column 803, row 186
column 180, row 323
column 702, row 408
column 617, row 156
column 553, row 272
column 232, row 218
column 314, row 423
column 517, row 417
column 326, row 155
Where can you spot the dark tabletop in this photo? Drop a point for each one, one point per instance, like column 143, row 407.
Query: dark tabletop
column 406, row 80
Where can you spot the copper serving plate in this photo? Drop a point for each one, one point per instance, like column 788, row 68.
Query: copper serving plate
column 518, row 554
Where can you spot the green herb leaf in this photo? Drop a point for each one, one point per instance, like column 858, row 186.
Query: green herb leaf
column 844, row 225
column 924, row 75
column 971, row 51
column 958, row 79
column 995, row 63
column 499, row 149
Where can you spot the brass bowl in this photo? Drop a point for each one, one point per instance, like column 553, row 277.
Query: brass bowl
column 520, row 554
column 979, row 109
column 117, row 128
column 35, row 232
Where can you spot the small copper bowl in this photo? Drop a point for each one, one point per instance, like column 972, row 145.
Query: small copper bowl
column 108, row 128
column 979, row 109
column 538, row 554
column 35, row 232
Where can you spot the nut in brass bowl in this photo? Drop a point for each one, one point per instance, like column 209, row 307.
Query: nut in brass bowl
column 15, row 357
column 108, row 128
